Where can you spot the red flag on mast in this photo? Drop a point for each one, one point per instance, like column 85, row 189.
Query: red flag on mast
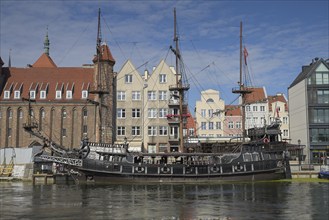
column 245, row 54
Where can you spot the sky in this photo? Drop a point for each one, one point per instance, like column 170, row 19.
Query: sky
column 280, row 37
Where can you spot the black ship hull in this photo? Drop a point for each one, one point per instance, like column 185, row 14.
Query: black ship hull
column 104, row 172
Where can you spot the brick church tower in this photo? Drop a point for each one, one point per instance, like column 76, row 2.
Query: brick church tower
column 104, row 90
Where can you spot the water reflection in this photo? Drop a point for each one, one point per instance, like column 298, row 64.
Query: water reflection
column 270, row 200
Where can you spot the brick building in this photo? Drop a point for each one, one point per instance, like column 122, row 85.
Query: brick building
column 62, row 101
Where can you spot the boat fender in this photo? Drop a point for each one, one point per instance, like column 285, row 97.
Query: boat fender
column 266, row 140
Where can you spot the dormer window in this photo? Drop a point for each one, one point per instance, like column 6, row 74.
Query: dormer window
column 42, row 94
column 69, row 94
column 7, row 94
column 32, row 94
column 17, row 94
column 58, row 94
column 84, row 94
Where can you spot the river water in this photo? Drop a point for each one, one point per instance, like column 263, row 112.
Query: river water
column 259, row 200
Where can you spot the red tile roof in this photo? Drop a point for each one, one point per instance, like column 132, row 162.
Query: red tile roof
column 257, row 95
column 232, row 110
column 44, row 61
column 49, row 79
column 105, row 54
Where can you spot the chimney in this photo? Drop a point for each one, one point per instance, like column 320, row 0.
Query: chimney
column 146, row 74
column 1, row 64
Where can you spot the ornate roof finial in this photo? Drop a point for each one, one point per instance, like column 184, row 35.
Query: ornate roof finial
column 46, row 43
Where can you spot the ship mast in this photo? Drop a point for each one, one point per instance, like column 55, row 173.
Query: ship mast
column 179, row 85
column 100, row 91
column 242, row 90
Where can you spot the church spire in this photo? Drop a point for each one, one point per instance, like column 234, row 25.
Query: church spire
column 46, row 44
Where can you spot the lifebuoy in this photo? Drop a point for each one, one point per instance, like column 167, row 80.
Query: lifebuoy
column 139, row 169
column 266, row 140
column 165, row 169
column 214, row 169
column 238, row 168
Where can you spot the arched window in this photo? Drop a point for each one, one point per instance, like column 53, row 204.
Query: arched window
column 64, row 113
column 42, row 116
column 210, row 100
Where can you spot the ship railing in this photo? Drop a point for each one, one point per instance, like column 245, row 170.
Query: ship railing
column 62, row 160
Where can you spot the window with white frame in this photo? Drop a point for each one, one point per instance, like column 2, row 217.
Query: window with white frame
column 121, row 113
column 17, row 94
column 152, row 113
column 136, row 95
column 285, row 132
column 262, row 108
column 32, row 94
column 121, row 131
column 162, row 95
column 230, row 125
column 210, row 112
column 255, row 120
column 162, row 148
column 69, row 94
column 163, row 78
column 136, row 113
column 203, row 113
column 163, row 130
column 128, row 78
column 152, row 130
column 285, row 120
column 58, row 94
column 151, row 95
column 121, row 95
column 248, row 108
column 238, row 124
column 211, row 125
column 218, row 125
column 135, row 131
column 191, row 131
column 163, row 112
column 84, row 94
column 42, row 94
column 203, row 125
column 254, row 108
column 6, row 94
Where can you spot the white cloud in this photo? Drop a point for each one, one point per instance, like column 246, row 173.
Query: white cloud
column 278, row 44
